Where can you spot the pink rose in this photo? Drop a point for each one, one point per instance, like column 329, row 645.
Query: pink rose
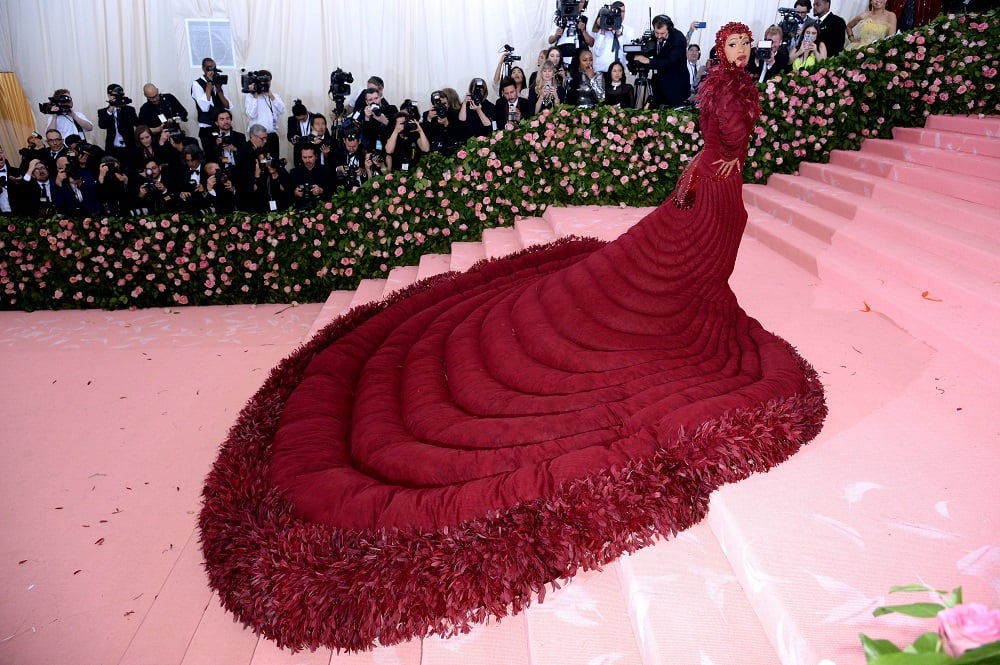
column 968, row 626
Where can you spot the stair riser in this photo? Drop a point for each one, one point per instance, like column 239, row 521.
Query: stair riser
column 985, row 146
column 947, row 160
column 984, row 193
column 803, row 189
column 965, row 124
column 791, row 214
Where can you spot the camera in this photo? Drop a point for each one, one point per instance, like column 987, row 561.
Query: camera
column 259, row 81
column 219, row 78
column 609, row 18
column 412, row 116
column 265, row 160
column 440, row 103
column 59, row 105
column 790, row 22
column 72, row 165
column 118, row 98
column 376, row 110
column 566, row 13
column 478, row 93
column 762, row 51
column 645, row 46
column 340, row 87
column 509, row 56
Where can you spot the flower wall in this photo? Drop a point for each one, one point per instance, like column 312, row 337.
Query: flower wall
column 569, row 156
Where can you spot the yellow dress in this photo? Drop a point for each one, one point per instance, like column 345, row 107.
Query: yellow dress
column 869, row 31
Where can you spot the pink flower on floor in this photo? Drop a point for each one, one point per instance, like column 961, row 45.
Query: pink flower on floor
column 968, row 626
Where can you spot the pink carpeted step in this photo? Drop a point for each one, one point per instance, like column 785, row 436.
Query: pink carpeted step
column 400, row 277
column 593, row 221
column 500, row 241
column 464, row 255
column 433, row 264
column 971, row 218
column 336, row 304
column 799, row 247
column 966, row 124
column 982, row 166
column 369, row 290
column 496, row 642
column 534, row 231
column 987, row 146
column 969, row 188
column 814, row 220
column 976, row 253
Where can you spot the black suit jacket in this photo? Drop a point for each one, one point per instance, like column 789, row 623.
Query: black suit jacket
column 671, row 83
column 127, row 120
column 500, row 111
column 213, row 153
column 833, row 33
column 293, row 127
column 781, row 65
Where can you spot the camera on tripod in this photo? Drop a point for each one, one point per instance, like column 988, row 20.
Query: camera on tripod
column 59, row 105
column 610, row 18
column 644, row 46
column 509, row 56
column 259, row 81
column 790, row 23
column 340, row 87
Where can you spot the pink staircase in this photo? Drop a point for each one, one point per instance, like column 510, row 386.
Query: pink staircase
column 112, row 420
column 909, row 228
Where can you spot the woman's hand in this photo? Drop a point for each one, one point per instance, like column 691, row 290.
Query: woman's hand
column 727, row 168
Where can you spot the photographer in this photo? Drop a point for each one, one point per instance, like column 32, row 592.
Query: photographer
column 160, row 110
column 511, row 108
column 263, row 106
column 271, row 189
column 507, row 57
column 209, row 95
column 352, row 167
column 609, row 33
column 440, row 124
column 34, row 145
column 188, row 181
column 671, row 83
column 571, row 33
column 477, row 112
column 113, row 192
column 63, row 118
column 319, row 138
column 375, row 120
column 299, row 127
column 153, row 194
column 75, row 191
column 118, row 119
column 220, row 189
column 34, row 195
column 311, row 181
column 769, row 62
column 86, row 154
column 373, row 82
column 224, row 144
column 55, row 149
column 407, row 143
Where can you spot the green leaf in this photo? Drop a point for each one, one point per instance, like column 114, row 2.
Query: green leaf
column 875, row 648
column 929, row 642
column 984, row 655
column 913, row 659
column 923, row 610
column 912, row 588
column 954, row 598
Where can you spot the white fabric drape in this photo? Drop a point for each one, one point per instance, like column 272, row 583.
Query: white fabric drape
column 416, row 46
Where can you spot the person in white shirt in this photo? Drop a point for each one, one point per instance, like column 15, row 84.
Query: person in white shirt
column 64, row 118
column 610, row 34
column 263, row 106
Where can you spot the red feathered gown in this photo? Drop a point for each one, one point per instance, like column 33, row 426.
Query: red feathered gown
column 429, row 462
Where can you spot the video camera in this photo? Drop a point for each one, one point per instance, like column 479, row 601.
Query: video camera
column 259, row 81
column 60, row 105
column 645, row 46
column 509, row 56
column 610, row 18
column 219, row 77
column 567, row 14
column 790, row 23
column 118, row 97
column 340, row 87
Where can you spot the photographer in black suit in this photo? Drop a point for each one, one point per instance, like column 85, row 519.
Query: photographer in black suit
column 223, row 144
column 299, row 126
column 832, row 28
column 118, row 119
column 311, row 181
column 671, row 82
column 161, row 110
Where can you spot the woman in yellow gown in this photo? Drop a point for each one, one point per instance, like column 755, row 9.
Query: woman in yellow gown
column 872, row 25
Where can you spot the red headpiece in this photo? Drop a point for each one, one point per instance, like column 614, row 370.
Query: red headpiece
column 723, row 34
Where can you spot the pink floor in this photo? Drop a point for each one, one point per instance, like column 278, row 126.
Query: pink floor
column 112, row 419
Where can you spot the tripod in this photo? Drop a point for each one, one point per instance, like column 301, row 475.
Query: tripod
column 643, row 89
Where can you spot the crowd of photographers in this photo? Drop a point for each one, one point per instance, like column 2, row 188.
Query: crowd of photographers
column 149, row 164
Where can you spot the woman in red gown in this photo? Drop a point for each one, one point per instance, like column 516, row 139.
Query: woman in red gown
column 436, row 459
